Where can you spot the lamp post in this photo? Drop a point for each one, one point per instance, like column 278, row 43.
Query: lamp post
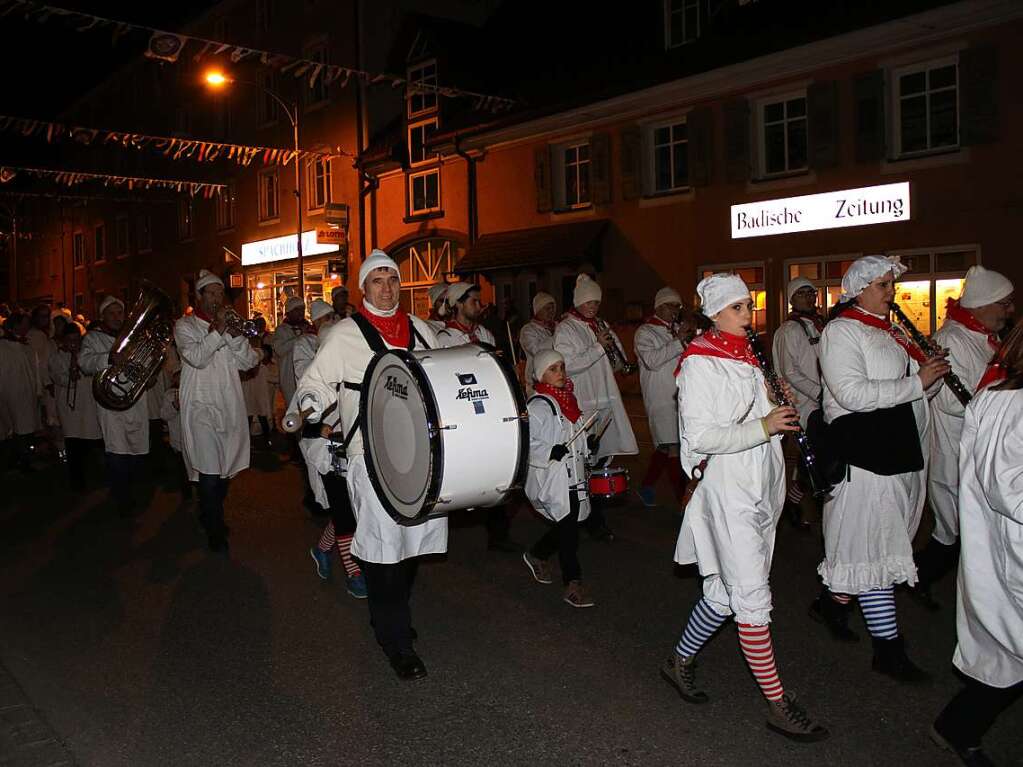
column 218, row 80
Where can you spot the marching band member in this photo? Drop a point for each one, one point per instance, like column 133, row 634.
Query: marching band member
column 388, row 551
column 795, row 352
column 989, row 607
column 437, row 295
column 19, row 388
column 556, row 483
column 729, row 430
column 78, row 414
column 970, row 333
column 125, row 432
column 584, row 343
column 40, row 338
column 463, row 311
column 170, row 413
column 538, row 334
column 214, row 424
column 339, row 303
column 659, row 342
column 256, row 387
column 284, row 339
column 875, row 387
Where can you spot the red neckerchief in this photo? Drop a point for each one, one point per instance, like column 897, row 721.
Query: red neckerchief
column 564, row 397
column 471, row 332
column 995, row 373
column 653, row 319
column 394, row 329
column 548, row 326
column 717, row 343
column 954, row 311
column 591, row 322
column 855, row 313
column 202, row 315
column 816, row 319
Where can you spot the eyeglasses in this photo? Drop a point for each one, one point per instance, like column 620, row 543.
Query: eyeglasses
column 1006, row 303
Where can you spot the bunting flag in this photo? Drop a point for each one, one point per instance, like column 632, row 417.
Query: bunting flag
column 170, row 46
column 75, row 177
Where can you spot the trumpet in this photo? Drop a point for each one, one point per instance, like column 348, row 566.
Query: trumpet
column 615, row 354
column 234, row 322
column 73, row 374
column 952, row 381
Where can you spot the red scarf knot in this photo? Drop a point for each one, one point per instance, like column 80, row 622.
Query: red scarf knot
column 717, row 343
column 564, row 397
column 855, row 313
column 470, row 332
column 954, row 311
column 393, row 329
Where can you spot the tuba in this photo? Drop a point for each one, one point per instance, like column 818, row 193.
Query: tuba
column 138, row 351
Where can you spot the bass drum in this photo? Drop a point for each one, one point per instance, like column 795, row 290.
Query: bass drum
column 443, row 429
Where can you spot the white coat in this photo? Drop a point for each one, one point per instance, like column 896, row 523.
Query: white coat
column 283, row 342
column 969, row 355
column 19, row 388
column 658, row 350
column 125, row 432
column 548, row 482
column 586, row 363
column 534, row 338
column 257, row 389
column 214, row 424
column 989, row 600
column 83, row 421
column 795, row 355
column 44, row 346
column 171, row 415
column 344, row 356
column 871, row 519
column 730, row 522
column 314, row 450
column 448, row 337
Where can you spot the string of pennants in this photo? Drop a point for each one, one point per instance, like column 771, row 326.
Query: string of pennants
column 73, row 178
column 171, row 147
column 170, row 46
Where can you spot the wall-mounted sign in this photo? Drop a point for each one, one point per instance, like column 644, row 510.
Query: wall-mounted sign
column 831, row 210
column 336, row 214
column 283, row 248
column 330, row 236
column 237, row 280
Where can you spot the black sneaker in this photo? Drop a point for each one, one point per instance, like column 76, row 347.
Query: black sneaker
column 407, row 665
column 891, row 660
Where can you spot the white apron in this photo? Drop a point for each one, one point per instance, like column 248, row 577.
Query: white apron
column 658, row 351
column 125, row 432
column 83, row 421
column 548, row 482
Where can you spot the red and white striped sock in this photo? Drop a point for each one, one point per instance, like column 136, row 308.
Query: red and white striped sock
column 755, row 642
column 344, row 548
column 327, row 539
column 842, row 599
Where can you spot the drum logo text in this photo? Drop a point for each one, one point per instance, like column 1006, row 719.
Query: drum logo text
column 396, row 389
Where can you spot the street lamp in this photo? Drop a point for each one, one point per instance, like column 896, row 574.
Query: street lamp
column 216, row 79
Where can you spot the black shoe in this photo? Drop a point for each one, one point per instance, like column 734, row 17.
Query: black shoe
column 971, row 757
column 923, row 597
column 835, row 616
column 407, row 665
column 504, row 545
column 891, row 660
column 794, row 515
column 601, row 533
column 217, row 543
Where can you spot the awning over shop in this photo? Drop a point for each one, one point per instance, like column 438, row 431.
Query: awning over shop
column 538, row 247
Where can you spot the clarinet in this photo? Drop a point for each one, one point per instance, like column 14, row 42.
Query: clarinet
column 952, row 381
column 818, row 485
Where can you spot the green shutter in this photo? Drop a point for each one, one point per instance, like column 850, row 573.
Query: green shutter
column 600, row 168
column 822, row 124
column 631, row 163
column 868, row 96
column 701, row 146
column 978, row 100
column 737, row 143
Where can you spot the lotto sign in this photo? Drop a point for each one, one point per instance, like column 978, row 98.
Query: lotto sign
column 330, row 236
column 883, row 204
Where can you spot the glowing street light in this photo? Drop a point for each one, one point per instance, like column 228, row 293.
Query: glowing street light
column 217, row 79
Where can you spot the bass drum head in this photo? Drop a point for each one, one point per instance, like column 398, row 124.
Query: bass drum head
column 396, row 426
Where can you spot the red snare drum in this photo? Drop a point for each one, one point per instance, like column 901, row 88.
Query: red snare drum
column 609, row 482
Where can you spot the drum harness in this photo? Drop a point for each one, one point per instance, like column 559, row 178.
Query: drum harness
column 339, row 443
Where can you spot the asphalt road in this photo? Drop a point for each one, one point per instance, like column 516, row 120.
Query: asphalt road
column 140, row 648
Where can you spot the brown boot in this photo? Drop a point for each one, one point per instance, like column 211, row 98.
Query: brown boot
column 681, row 674
column 786, row 717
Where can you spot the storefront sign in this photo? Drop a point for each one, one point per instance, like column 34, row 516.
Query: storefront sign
column 831, row 210
column 283, row 248
column 330, row 236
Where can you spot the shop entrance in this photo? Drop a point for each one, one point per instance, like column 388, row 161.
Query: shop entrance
column 270, row 288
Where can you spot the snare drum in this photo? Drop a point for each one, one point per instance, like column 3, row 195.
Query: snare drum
column 443, row 429
column 609, row 483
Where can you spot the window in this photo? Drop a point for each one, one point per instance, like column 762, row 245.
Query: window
column 574, row 187
column 422, row 264
column 121, row 236
column 418, row 135
column 78, row 249
column 935, row 275
column 318, row 183
column 225, row 207
column 144, row 232
column 926, row 108
column 669, row 158
column 782, row 147
column 422, row 84
column 424, row 192
column 681, row 22
column 100, row 253
column 186, row 218
column 269, row 191
column 267, row 104
column 317, row 94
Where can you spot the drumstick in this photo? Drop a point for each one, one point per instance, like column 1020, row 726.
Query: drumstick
column 585, row 427
column 292, row 422
column 605, row 427
column 511, row 343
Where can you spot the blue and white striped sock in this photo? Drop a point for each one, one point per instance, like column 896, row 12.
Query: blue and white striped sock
column 878, row 608
column 703, row 622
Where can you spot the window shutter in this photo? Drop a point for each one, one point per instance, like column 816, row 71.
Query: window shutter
column 978, row 100
column 600, row 168
column 822, row 127
column 542, row 176
column 737, row 144
column 868, row 94
column 701, row 145
column 631, row 163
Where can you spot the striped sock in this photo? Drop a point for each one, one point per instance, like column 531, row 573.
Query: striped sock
column 327, row 539
column 878, row 608
column 755, row 642
column 703, row 622
column 344, row 548
column 842, row 599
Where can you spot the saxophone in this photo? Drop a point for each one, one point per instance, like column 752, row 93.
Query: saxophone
column 138, row 352
column 952, row 381
column 615, row 354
